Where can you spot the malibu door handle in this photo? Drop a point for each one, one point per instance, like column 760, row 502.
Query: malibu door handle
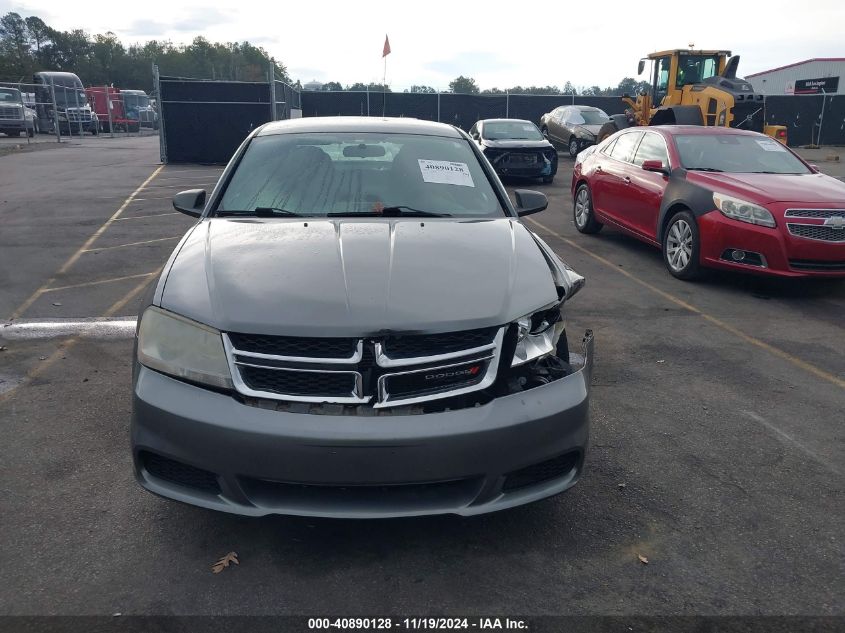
column 598, row 168
column 627, row 180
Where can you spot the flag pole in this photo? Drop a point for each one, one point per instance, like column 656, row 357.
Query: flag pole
column 384, row 88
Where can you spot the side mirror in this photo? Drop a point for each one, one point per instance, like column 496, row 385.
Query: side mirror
column 655, row 165
column 641, row 67
column 190, row 202
column 528, row 202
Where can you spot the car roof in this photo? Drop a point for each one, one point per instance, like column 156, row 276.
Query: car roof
column 390, row 125
column 504, row 121
column 584, row 107
column 703, row 130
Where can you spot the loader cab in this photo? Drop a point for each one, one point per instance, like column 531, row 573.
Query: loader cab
column 673, row 70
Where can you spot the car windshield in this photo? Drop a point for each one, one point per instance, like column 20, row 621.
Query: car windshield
column 511, row 130
column 351, row 174
column 588, row 117
column 7, row 95
column 737, row 153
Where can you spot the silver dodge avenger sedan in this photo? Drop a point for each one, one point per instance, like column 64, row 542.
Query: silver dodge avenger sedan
column 359, row 325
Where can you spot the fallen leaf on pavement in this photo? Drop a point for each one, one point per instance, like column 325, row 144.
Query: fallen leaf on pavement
column 643, row 559
column 223, row 563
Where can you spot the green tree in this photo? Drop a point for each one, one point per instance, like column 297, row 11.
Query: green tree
column 15, row 45
column 332, row 86
column 464, row 85
column 423, row 89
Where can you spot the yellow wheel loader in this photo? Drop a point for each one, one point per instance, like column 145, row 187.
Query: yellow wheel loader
column 695, row 87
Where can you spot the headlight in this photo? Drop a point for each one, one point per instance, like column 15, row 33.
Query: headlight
column 182, row 348
column 537, row 335
column 742, row 210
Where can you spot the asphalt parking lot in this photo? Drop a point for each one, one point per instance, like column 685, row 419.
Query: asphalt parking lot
column 716, row 450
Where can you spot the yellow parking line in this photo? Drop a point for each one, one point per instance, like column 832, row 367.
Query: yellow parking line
column 151, row 215
column 67, row 345
column 808, row 367
column 76, row 255
column 98, row 282
column 109, row 248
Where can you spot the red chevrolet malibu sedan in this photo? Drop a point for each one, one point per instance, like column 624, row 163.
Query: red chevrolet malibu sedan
column 713, row 197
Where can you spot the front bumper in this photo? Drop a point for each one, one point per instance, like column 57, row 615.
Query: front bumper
column 514, row 450
column 784, row 255
column 13, row 125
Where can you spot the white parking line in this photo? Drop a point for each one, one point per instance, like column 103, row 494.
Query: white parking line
column 111, row 248
column 98, row 282
column 96, row 327
column 149, row 215
column 786, row 436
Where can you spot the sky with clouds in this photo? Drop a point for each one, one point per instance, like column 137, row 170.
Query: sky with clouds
column 500, row 44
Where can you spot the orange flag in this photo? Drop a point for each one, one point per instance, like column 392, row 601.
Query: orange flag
column 386, row 51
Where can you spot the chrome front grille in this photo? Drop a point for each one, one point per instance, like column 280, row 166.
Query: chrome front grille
column 818, row 232
column 390, row 371
column 813, row 213
column 78, row 116
column 13, row 113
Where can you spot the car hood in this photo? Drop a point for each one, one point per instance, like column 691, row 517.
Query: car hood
column 767, row 188
column 357, row 277
column 590, row 129
column 517, row 144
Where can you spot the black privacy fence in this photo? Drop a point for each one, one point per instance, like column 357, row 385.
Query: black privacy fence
column 802, row 114
column 205, row 121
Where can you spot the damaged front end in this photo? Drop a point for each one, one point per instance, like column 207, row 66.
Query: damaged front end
column 523, row 162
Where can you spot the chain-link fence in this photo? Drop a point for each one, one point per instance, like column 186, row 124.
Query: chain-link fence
column 49, row 111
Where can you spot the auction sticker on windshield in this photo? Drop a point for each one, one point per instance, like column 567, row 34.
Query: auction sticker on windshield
column 446, row 172
column 770, row 145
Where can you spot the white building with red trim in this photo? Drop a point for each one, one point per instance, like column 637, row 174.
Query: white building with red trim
column 811, row 76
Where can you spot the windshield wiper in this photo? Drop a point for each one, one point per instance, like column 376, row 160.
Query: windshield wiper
column 392, row 212
column 704, row 169
column 260, row 212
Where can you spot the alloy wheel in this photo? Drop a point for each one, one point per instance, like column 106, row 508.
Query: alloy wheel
column 679, row 245
column 582, row 207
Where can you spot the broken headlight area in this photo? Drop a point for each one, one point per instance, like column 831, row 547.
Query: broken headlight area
column 537, row 335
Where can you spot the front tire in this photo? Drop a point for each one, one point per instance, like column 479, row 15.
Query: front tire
column 574, row 147
column 682, row 247
column 582, row 211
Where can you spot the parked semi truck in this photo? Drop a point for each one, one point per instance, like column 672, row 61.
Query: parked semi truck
column 103, row 98
column 136, row 104
column 72, row 112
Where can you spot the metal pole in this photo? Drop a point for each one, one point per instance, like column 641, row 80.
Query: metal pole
column 78, row 111
column 162, row 138
column 23, row 113
column 821, row 116
column 368, row 101
column 272, row 76
column 56, row 111
column 108, row 110
column 507, row 104
column 438, row 106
